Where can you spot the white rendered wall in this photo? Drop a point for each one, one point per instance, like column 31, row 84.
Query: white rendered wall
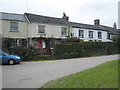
column 95, row 34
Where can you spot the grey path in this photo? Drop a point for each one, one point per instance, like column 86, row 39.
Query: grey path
column 36, row 74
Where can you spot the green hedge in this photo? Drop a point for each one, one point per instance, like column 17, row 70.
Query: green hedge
column 25, row 53
column 72, row 50
column 99, row 48
column 68, row 50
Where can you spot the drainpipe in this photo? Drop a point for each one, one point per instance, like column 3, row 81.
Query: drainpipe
column 27, row 30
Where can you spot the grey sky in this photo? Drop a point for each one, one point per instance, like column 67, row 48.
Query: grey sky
column 82, row 11
column 119, row 15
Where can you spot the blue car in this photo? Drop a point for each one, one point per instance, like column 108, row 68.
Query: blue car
column 9, row 59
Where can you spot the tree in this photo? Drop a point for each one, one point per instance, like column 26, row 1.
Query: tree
column 116, row 40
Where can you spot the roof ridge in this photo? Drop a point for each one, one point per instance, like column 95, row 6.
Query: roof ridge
column 43, row 16
column 108, row 27
column 82, row 23
column 11, row 13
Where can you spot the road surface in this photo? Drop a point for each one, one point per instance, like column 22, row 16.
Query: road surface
column 36, row 74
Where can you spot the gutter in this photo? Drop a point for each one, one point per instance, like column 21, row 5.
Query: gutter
column 26, row 17
column 28, row 21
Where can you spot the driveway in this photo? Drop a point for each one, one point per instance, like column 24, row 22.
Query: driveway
column 36, row 74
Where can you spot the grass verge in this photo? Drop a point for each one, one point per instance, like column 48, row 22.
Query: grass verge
column 102, row 76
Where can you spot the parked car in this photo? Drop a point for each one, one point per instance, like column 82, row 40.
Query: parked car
column 9, row 59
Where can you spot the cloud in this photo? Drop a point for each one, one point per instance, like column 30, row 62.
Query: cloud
column 83, row 11
column 18, row 6
column 106, row 11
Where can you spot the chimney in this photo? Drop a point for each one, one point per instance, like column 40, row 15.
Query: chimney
column 114, row 26
column 65, row 17
column 97, row 22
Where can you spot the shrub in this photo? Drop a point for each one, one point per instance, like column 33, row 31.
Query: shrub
column 72, row 50
column 116, row 41
column 69, row 50
column 99, row 48
column 25, row 53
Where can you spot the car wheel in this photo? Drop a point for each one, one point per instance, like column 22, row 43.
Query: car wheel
column 11, row 62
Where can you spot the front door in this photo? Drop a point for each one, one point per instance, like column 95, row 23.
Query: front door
column 40, row 44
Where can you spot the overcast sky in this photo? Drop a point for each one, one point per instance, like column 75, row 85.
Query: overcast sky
column 82, row 11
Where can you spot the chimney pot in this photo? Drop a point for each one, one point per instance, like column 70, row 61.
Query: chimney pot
column 114, row 26
column 65, row 17
column 97, row 22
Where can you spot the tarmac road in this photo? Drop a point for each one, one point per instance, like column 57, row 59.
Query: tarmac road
column 35, row 74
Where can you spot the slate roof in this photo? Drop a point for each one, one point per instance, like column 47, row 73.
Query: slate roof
column 59, row 21
column 110, row 30
column 118, row 31
column 55, row 21
column 12, row 16
column 46, row 19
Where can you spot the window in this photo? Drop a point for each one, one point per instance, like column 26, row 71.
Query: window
column 90, row 34
column 41, row 28
column 99, row 35
column 81, row 33
column 63, row 31
column 15, row 42
column 13, row 26
column 108, row 35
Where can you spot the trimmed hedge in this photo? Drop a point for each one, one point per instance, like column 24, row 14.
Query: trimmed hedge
column 73, row 50
column 67, row 50
column 25, row 53
column 28, row 54
column 99, row 48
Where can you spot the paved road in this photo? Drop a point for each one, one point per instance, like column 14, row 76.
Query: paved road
column 36, row 74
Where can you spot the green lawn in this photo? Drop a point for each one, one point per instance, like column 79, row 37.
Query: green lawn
column 102, row 76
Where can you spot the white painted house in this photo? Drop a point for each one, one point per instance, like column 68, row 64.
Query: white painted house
column 95, row 33
column 90, row 34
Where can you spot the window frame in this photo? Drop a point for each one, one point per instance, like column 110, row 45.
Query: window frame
column 15, row 42
column 14, row 26
column 63, row 31
column 108, row 36
column 41, row 31
column 99, row 35
column 81, row 33
column 90, row 34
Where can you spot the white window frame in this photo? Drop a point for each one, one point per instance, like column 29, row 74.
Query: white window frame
column 90, row 34
column 99, row 35
column 63, row 31
column 41, row 29
column 108, row 36
column 81, row 33
column 15, row 42
column 14, row 26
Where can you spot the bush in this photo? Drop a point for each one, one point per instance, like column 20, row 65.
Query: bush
column 25, row 53
column 116, row 41
column 69, row 50
column 99, row 48
column 73, row 50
